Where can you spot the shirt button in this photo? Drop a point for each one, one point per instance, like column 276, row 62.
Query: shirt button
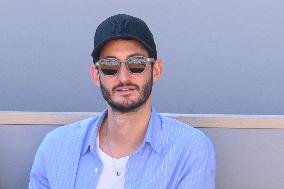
column 96, row 169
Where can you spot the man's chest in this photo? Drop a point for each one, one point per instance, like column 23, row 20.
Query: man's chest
column 144, row 170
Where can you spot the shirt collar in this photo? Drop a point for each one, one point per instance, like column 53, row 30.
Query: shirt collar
column 153, row 134
column 94, row 127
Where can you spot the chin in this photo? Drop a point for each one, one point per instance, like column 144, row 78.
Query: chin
column 127, row 107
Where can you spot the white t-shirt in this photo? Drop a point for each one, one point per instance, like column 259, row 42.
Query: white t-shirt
column 108, row 178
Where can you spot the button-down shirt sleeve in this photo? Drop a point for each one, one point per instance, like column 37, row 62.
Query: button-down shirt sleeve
column 38, row 177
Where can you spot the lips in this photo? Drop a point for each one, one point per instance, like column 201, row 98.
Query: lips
column 125, row 89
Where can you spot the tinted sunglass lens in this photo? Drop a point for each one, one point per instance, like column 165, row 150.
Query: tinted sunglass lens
column 109, row 67
column 136, row 64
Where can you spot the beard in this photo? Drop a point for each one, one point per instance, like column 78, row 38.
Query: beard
column 130, row 105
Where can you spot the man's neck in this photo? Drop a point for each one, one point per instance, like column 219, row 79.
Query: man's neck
column 125, row 131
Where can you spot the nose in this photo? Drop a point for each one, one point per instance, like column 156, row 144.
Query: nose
column 124, row 74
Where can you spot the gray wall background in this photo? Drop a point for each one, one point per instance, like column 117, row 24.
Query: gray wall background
column 222, row 56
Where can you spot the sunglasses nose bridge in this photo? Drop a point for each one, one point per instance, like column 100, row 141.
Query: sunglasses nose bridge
column 124, row 70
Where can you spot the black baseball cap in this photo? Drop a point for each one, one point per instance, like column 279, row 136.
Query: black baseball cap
column 122, row 26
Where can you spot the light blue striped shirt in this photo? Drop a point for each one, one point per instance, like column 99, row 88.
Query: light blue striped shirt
column 172, row 156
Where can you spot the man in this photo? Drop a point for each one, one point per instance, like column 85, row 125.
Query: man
column 128, row 145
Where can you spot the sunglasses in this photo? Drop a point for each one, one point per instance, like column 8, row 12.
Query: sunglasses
column 134, row 65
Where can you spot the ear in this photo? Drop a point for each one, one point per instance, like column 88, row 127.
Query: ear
column 157, row 70
column 95, row 75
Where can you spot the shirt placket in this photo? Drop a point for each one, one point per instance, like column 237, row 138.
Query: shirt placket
column 135, row 167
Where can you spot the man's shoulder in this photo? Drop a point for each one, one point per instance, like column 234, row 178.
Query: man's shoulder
column 68, row 133
column 72, row 128
column 177, row 126
column 180, row 132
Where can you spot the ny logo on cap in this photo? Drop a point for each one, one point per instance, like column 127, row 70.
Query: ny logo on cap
column 119, row 26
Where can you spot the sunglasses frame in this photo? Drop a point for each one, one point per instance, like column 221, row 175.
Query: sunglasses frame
column 148, row 60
